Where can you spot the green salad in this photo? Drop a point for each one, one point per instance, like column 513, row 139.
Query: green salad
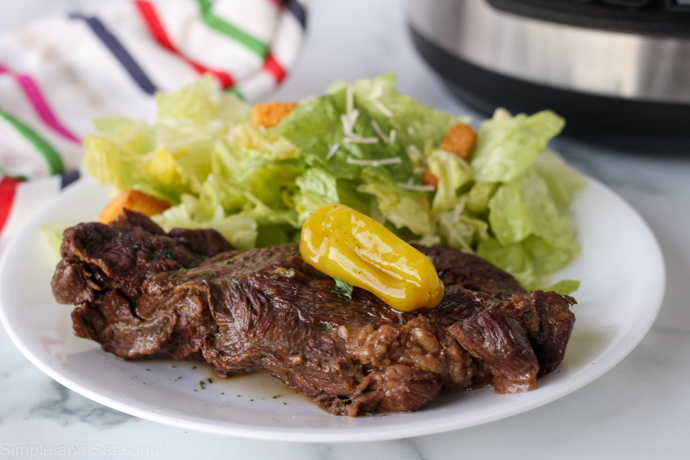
column 361, row 144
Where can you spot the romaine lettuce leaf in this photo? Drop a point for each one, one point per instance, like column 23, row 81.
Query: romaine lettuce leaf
column 52, row 232
column 171, row 178
column 134, row 136
column 318, row 128
column 562, row 180
column 512, row 258
column 460, row 230
column 414, row 123
column 363, row 145
column 174, row 157
column 239, row 229
column 201, row 103
column 401, row 207
column 563, row 287
column 109, row 163
column 452, row 172
column 317, row 188
column 518, row 260
column 524, row 207
column 508, row 146
column 479, row 196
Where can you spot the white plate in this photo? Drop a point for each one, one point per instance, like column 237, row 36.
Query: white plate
column 621, row 270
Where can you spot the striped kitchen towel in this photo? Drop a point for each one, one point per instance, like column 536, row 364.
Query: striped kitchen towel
column 59, row 73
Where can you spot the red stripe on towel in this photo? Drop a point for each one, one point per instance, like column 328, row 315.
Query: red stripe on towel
column 150, row 16
column 273, row 67
column 8, row 188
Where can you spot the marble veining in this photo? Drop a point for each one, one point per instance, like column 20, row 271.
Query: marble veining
column 638, row 410
column 68, row 408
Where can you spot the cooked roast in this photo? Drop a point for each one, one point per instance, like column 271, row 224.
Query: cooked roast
column 188, row 295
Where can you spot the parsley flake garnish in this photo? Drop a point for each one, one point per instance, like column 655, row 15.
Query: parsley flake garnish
column 342, row 288
column 168, row 254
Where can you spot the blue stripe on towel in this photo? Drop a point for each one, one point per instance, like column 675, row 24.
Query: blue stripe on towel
column 119, row 51
column 68, row 177
column 297, row 11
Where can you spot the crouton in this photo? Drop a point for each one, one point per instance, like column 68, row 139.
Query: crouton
column 272, row 113
column 460, row 140
column 135, row 201
column 430, row 178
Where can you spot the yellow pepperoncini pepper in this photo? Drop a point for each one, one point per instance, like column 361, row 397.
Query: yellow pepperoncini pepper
column 346, row 244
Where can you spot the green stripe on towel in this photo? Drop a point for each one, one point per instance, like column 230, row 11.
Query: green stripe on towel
column 52, row 157
column 224, row 27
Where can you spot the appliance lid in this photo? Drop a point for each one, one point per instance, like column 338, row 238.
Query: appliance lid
column 600, row 62
column 666, row 18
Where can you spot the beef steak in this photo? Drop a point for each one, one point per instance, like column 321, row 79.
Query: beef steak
column 188, row 295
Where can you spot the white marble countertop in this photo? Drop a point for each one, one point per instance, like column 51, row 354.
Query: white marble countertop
column 638, row 410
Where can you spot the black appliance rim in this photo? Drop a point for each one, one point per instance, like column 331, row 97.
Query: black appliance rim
column 611, row 121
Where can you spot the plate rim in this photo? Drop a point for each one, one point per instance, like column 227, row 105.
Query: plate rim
column 290, row 434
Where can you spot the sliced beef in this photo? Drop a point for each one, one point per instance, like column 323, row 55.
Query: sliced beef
column 501, row 344
column 471, row 272
column 188, row 295
column 551, row 324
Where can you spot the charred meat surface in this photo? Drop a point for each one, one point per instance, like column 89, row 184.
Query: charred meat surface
column 188, row 295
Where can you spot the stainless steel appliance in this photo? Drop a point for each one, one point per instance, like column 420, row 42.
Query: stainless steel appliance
column 618, row 70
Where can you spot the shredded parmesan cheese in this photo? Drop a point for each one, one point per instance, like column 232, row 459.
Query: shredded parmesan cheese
column 254, row 199
column 348, row 120
column 416, row 157
column 331, row 151
column 382, row 108
column 380, row 132
column 356, row 139
column 375, row 163
column 410, row 185
column 417, row 188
